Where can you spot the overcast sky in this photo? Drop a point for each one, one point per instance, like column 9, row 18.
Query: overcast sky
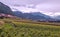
column 49, row 7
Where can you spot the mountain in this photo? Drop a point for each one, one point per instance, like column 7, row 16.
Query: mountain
column 57, row 18
column 33, row 16
column 5, row 9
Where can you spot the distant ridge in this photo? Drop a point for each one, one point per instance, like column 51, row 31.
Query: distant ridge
column 33, row 16
column 5, row 9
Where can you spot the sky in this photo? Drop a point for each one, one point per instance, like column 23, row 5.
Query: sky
column 48, row 7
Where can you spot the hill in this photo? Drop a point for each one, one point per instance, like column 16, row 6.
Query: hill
column 5, row 9
column 33, row 16
column 26, row 28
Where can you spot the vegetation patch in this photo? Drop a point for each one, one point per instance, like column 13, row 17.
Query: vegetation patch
column 12, row 28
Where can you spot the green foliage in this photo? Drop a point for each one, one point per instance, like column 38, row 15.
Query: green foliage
column 11, row 28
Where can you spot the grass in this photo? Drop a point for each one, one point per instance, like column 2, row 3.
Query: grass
column 14, row 28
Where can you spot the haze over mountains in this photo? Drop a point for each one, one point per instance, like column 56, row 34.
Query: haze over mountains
column 32, row 15
column 48, row 7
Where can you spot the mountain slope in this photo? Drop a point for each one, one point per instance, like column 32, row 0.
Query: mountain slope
column 17, row 28
column 5, row 9
column 33, row 16
column 57, row 17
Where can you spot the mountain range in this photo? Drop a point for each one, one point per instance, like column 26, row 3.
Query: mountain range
column 32, row 15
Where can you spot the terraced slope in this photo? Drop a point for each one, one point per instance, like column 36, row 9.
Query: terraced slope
column 25, row 28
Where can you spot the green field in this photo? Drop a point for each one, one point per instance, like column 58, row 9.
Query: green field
column 19, row 28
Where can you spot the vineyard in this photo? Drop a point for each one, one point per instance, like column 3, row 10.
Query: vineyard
column 14, row 28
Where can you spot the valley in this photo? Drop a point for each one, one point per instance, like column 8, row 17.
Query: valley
column 33, row 24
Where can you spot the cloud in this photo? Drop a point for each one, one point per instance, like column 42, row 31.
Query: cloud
column 42, row 5
column 45, row 6
column 48, row 7
column 24, row 9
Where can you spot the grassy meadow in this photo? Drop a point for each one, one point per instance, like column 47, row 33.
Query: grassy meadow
column 26, row 28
